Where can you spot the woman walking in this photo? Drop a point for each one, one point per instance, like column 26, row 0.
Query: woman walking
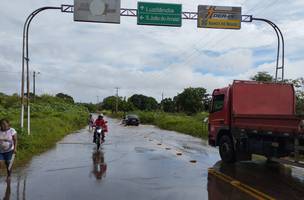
column 8, row 145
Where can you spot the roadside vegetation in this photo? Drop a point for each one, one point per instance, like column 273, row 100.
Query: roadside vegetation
column 184, row 112
column 51, row 119
column 191, row 125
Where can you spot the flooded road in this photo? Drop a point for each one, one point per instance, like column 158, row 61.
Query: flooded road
column 143, row 163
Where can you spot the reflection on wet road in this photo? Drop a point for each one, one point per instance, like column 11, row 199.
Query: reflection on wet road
column 99, row 165
column 143, row 163
column 273, row 179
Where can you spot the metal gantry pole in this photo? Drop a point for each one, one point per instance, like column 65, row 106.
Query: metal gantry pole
column 25, row 61
column 280, row 38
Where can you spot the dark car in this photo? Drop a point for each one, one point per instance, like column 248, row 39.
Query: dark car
column 132, row 120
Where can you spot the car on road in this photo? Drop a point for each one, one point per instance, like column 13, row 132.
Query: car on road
column 132, row 120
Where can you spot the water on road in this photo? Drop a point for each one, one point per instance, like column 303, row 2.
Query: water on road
column 143, row 163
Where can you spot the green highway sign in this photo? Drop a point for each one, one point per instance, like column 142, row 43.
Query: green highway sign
column 159, row 14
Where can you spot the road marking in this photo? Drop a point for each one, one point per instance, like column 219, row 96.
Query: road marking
column 241, row 186
column 178, row 153
column 66, row 168
column 86, row 143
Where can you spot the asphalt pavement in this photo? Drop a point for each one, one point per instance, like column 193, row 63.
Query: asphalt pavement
column 144, row 162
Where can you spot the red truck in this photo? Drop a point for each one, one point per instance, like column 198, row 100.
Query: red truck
column 251, row 117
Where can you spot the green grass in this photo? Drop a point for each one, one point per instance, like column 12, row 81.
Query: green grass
column 51, row 119
column 191, row 125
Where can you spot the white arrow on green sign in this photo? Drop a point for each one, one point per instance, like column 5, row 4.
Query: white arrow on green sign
column 159, row 14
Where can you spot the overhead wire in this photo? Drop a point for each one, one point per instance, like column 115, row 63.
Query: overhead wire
column 218, row 41
column 203, row 43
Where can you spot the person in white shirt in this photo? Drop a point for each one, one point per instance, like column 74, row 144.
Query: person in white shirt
column 8, row 144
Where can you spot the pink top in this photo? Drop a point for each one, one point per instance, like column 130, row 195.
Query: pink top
column 6, row 140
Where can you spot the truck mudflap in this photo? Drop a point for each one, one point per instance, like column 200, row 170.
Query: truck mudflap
column 242, row 151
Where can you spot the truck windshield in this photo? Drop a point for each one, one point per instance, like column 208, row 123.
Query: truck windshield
column 218, row 103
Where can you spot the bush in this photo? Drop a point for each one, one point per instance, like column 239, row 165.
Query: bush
column 191, row 125
column 51, row 119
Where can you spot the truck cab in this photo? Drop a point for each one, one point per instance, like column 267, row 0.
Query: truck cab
column 219, row 115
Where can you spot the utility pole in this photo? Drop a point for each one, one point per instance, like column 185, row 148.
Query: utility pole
column 116, row 107
column 161, row 103
column 34, row 83
column 97, row 99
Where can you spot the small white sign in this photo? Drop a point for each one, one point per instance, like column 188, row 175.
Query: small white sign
column 103, row 11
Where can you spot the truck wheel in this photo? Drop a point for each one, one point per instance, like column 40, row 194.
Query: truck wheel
column 226, row 149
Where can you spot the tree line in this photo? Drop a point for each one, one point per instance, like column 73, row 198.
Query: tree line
column 190, row 101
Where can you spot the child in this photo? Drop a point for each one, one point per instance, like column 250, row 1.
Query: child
column 8, row 144
column 90, row 122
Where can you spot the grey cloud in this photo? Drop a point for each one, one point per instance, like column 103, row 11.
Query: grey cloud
column 86, row 59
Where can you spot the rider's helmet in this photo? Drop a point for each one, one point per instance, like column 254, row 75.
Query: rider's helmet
column 100, row 116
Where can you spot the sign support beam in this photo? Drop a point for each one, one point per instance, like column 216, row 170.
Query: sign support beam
column 130, row 12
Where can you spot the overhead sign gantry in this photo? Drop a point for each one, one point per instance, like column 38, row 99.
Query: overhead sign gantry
column 147, row 13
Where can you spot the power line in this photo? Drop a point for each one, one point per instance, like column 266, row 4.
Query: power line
column 203, row 43
column 216, row 41
column 10, row 72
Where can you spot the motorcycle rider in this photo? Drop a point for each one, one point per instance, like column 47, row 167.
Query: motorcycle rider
column 100, row 122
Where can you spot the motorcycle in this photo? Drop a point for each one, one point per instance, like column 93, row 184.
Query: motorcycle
column 99, row 136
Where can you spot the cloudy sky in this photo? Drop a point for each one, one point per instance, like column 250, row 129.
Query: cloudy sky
column 90, row 59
